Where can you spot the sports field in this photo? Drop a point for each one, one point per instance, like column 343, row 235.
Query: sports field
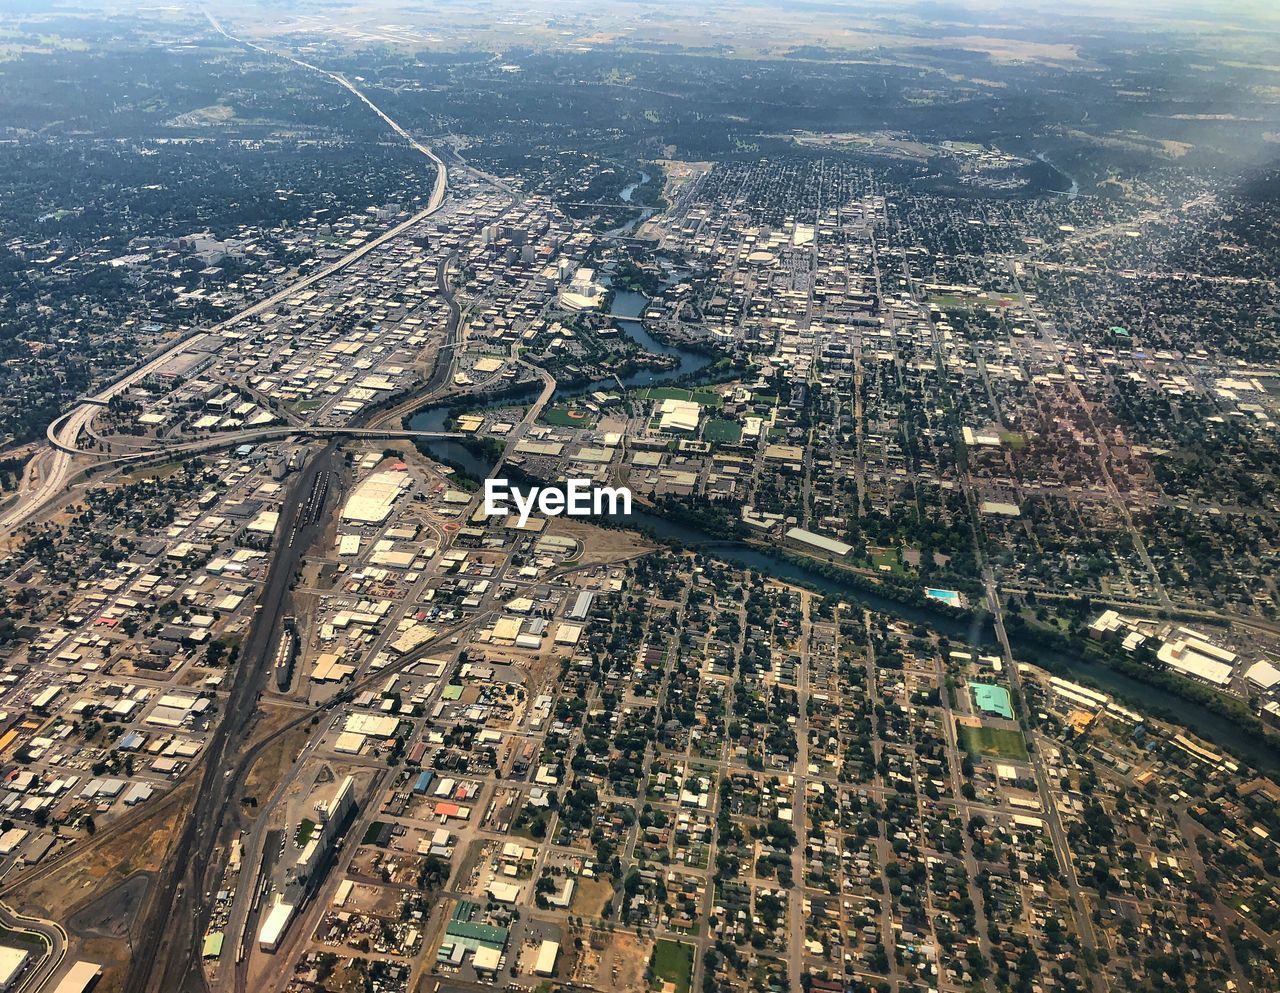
column 998, row 742
column 706, row 398
column 569, row 417
column 673, row 962
column 722, row 431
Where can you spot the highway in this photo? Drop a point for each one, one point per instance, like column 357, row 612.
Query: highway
column 169, row 931
column 54, row 468
column 47, row 965
column 171, row 961
column 442, row 172
column 165, row 955
column 374, row 423
column 256, row 435
column 56, row 465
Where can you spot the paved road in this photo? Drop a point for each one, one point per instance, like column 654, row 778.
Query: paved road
column 256, row 435
column 799, row 800
column 1079, row 905
column 55, row 938
column 442, row 172
column 1048, row 335
column 442, row 375
column 55, row 469
column 363, row 427
column 58, row 468
column 164, row 959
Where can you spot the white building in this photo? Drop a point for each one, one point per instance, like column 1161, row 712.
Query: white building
column 548, row 951
column 372, row 500
column 274, row 925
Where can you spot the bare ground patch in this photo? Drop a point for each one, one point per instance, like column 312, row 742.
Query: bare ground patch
column 599, row 544
column 613, row 960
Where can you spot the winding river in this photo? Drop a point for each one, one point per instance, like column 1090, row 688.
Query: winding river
column 629, row 190
column 1074, row 189
column 627, row 308
column 642, row 215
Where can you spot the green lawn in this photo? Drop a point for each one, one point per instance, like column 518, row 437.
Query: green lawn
column 999, row 742
column 569, row 417
column 534, row 827
column 891, row 558
column 722, row 431
column 673, row 962
column 1014, row 440
column 707, row 398
column 951, row 301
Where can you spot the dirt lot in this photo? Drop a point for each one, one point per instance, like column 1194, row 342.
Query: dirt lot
column 97, row 872
column 369, row 863
column 344, row 975
column 615, row 961
column 599, row 544
column 141, row 848
column 112, row 955
column 111, row 915
column 502, row 810
column 275, row 760
column 590, row 896
column 381, row 901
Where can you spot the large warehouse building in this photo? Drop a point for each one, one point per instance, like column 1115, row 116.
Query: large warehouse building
column 372, row 500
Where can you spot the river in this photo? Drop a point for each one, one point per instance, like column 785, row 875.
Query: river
column 1074, row 189
column 628, row 305
column 980, row 632
column 627, row 308
column 641, row 215
column 630, row 190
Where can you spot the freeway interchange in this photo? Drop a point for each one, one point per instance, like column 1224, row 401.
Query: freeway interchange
column 56, row 465
column 59, row 465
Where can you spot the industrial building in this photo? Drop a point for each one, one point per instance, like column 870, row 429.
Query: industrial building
column 548, row 952
column 80, row 978
column 13, row 962
column 317, row 838
column 461, row 936
column 821, row 542
column 275, row 924
column 373, row 498
column 581, row 607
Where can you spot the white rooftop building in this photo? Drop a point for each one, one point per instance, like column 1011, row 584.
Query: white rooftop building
column 1191, row 654
column 1263, row 675
column 372, row 500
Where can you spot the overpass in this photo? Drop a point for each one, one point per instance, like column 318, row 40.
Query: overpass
column 60, row 472
column 259, row 435
column 55, row 463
